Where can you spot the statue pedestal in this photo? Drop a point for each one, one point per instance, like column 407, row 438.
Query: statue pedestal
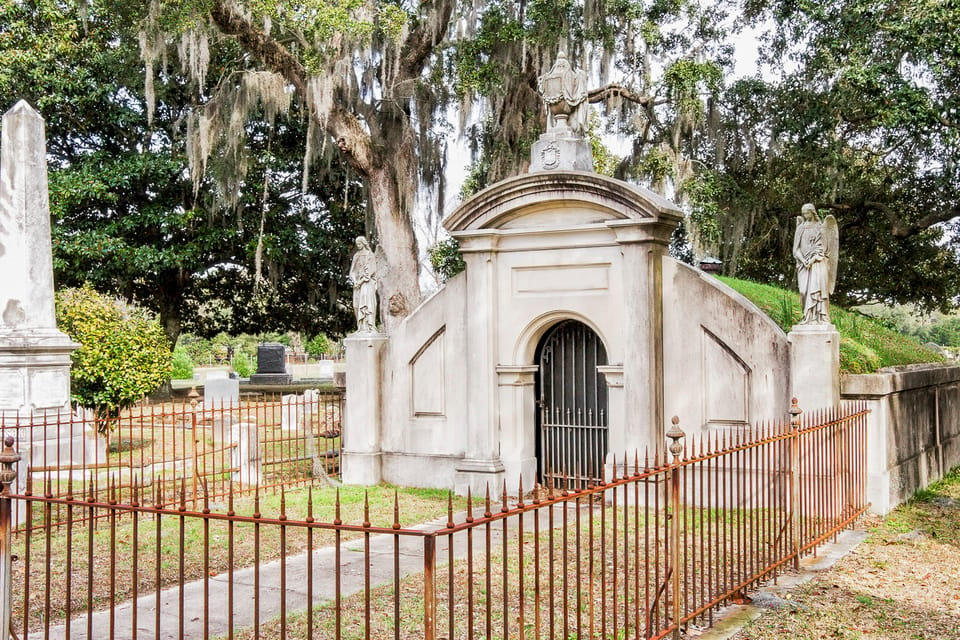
column 815, row 365
column 361, row 431
column 561, row 150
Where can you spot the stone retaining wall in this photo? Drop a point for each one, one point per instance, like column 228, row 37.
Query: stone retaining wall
column 914, row 428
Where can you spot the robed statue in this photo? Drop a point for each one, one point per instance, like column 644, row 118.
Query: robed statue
column 816, row 245
column 564, row 90
column 363, row 275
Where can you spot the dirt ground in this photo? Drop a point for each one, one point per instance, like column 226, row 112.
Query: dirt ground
column 902, row 582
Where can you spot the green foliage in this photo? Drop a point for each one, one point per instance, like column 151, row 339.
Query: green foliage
column 605, row 162
column 655, row 165
column 858, row 358
column 317, row 346
column 866, row 345
column 243, row 364
column 124, row 353
column 446, row 259
column 182, row 365
column 686, row 79
column 865, row 125
column 128, row 218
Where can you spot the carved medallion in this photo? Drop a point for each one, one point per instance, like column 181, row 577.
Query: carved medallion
column 550, row 156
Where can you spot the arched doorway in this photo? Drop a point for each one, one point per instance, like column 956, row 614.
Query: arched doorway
column 572, row 401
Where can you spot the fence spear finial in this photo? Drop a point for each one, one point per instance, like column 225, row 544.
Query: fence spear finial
column 675, row 434
column 795, row 412
column 8, row 458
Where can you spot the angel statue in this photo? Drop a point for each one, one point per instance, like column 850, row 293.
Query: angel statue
column 816, row 246
column 363, row 275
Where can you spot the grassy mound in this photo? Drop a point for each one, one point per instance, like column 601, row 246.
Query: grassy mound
column 866, row 345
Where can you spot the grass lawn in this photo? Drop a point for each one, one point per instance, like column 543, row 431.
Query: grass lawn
column 866, row 345
column 902, row 583
column 136, row 557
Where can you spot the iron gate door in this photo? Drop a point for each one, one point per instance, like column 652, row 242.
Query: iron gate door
column 572, row 436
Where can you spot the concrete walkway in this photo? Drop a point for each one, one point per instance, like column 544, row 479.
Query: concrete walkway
column 215, row 624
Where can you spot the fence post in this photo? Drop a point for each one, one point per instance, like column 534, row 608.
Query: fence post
column 795, row 412
column 7, row 476
column 429, row 602
column 676, row 448
column 193, row 395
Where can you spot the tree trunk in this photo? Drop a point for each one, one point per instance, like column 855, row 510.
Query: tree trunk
column 398, row 267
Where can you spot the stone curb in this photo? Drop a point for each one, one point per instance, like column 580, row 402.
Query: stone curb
column 730, row 620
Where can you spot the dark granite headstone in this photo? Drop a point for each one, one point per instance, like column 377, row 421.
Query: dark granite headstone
column 271, row 365
column 271, row 358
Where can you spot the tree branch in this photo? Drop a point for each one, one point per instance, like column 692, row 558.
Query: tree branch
column 422, row 40
column 901, row 229
column 349, row 134
column 619, row 91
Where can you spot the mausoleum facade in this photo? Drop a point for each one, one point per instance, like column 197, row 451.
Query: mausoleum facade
column 564, row 344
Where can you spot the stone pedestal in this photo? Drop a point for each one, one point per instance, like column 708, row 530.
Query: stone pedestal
column 815, row 365
column 561, row 149
column 517, row 445
column 362, row 456
column 34, row 355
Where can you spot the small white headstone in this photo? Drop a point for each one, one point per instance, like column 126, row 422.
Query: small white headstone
column 221, row 393
column 291, row 412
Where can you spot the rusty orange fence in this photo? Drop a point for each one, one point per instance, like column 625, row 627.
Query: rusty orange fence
column 259, row 442
column 656, row 549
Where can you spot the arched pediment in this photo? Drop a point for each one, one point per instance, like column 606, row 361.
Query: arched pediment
column 558, row 199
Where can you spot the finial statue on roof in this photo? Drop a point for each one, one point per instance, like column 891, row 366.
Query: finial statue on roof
column 564, row 89
column 562, row 146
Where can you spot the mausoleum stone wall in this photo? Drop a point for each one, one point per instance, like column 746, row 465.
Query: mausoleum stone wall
column 726, row 363
column 424, row 391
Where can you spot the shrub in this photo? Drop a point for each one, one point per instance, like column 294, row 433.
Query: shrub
column 446, row 259
column 243, row 365
column 182, row 365
column 317, row 346
column 124, row 353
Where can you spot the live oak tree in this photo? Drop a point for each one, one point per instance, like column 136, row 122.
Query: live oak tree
column 862, row 120
column 209, row 254
column 377, row 79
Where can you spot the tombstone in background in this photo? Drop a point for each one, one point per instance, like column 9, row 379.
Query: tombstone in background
column 245, row 458
column 291, row 412
column 221, row 395
column 34, row 354
column 271, row 365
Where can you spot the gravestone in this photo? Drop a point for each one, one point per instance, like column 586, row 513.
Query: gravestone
column 220, row 397
column 221, row 393
column 34, row 354
column 271, row 365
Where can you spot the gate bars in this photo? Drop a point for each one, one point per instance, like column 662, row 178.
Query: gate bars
column 654, row 550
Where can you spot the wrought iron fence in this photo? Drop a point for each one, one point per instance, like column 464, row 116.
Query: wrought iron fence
column 207, row 450
column 645, row 554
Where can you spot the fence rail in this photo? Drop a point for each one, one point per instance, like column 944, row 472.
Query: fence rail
column 207, row 450
column 656, row 549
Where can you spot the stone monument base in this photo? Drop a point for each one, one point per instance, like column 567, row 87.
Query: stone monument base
column 815, row 365
column 479, row 476
column 361, row 468
column 561, row 150
column 271, row 378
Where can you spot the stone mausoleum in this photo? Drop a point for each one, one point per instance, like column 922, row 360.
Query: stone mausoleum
column 570, row 338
